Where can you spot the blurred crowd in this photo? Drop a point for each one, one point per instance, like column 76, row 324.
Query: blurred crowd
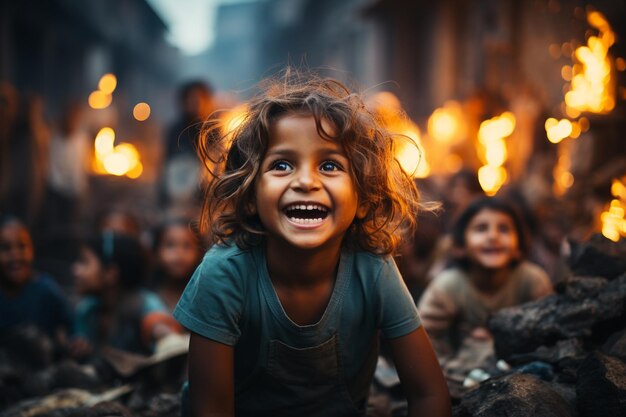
column 111, row 277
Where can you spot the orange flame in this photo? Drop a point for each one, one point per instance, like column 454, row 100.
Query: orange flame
column 493, row 151
column 119, row 160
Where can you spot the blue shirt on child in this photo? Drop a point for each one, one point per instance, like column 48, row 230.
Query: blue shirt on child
column 280, row 367
column 41, row 303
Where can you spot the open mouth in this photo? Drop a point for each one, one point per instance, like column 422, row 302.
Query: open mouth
column 493, row 251
column 306, row 213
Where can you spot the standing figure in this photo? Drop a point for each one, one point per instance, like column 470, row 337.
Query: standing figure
column 68, row 172
column 286, row 308
column 180, row 188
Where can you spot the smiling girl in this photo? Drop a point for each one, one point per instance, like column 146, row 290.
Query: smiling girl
column 489, row 273
column 286, row 308
column 28, row 297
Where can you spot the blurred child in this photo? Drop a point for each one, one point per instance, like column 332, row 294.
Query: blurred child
column 116, row 310
column 178, row 253
column 28, row 297
column 119, row 220
column 489, row 273
column 286, row 308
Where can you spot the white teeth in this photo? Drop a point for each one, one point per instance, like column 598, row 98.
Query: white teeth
column 307, row 207
column 304, row 221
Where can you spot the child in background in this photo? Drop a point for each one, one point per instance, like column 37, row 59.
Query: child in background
column 28, row 297
column 116, row 311
column 177, row 254
column 286, row 308
column 489, row 273
column 119, row 220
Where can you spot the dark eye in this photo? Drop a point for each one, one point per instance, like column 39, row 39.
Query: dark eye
column 280, row 166
column 481, row 227
column 505, row 228
column 330, row 166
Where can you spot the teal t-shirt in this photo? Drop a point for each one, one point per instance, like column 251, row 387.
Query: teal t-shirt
column 282, row 368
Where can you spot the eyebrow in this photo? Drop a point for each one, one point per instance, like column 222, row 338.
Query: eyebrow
column 291, row 153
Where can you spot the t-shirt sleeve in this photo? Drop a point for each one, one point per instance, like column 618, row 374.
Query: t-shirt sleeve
column 212, row 302
column 538, row 281
column 438, row 306
column 398, row 312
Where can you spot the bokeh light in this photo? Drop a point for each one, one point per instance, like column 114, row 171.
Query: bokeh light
column 141, row 111
column 99, row 100
column 107, row 83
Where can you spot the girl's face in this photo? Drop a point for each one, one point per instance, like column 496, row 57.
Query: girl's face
column 491, row 239
column 88, row 273
column 305, row 195
column 178, row 253
column 16, row 254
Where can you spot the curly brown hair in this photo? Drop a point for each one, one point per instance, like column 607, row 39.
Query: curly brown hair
column 233, row 158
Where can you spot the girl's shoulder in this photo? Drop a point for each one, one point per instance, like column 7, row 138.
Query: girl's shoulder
column 370, row 263
column 533, row 280
column 230, row 262
column 221, row 252
column 528, row 271
column 452, row 280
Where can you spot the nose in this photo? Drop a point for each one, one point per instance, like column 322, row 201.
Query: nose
column 492, row 233
column 306, row 179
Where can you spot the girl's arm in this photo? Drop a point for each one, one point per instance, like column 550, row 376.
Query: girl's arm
column 211, row 380
column 422, row 380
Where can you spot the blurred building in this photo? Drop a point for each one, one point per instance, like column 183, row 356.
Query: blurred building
column 488, row 57
column 60, row 49
column 257, row 39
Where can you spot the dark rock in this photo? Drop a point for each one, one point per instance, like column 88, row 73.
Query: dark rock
column 10, row 388
column 598, row 257
column 27, row 348
column 568, row 392
column 568, row 370
column 587, row 307
column 514, row 395
column 563, row 349
column 106, row 409
column 616, row 345
column 601, row 386
column 67, row 374
column 162, row 405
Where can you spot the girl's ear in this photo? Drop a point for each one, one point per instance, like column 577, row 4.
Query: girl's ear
column 362, row 210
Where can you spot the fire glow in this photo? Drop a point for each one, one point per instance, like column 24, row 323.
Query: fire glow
column 592, row 87
column 410, row 153
column 408, row 148
column 120, row 160
column 493, row 152
column 613, row 220
column 445, row 124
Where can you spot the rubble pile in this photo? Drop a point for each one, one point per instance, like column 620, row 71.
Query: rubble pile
column 565, row 356
column 567, row 352
column 38, row 379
